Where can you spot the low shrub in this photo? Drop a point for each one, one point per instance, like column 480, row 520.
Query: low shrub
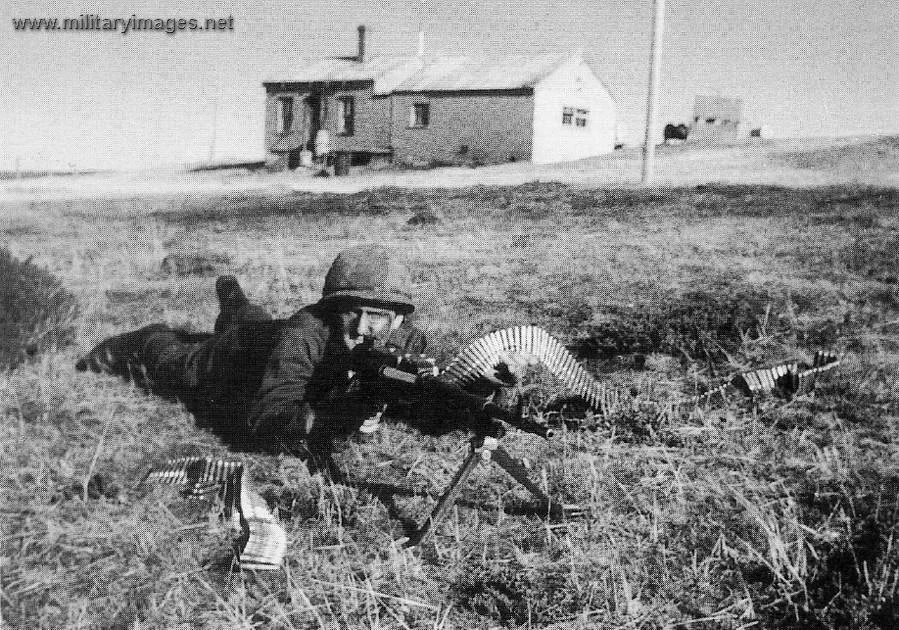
column 36, row 312
column 423, row 215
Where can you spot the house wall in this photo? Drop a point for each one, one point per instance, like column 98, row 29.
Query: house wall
column 371, row 129
column 372, row 121
column 278, row 145
column 494, row 125
column 572, row 84
column 713, row 133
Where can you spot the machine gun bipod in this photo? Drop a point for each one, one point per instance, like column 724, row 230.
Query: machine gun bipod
column 485, row 449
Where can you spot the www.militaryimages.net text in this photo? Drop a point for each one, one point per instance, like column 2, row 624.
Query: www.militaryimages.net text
column 96, row 22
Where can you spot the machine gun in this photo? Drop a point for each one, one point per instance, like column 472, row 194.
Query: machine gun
column 393, row 377
column 398, row 377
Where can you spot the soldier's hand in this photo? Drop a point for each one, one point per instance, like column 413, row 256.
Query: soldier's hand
column 301, row 422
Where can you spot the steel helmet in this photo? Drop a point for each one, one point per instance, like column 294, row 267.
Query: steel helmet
column 370, row 273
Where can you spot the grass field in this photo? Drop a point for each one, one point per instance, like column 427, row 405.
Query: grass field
column 767, row 514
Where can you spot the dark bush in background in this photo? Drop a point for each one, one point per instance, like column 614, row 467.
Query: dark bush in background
column 36, row 312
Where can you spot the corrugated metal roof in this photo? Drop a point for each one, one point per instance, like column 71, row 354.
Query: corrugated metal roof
column 413, row 74
column 386, row 72
column 466, row 73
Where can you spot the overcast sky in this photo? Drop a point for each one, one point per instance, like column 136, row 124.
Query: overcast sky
column 96, row 99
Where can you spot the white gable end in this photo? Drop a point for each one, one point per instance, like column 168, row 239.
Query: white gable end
column 574, row 115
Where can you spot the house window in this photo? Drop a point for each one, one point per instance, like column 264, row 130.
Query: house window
column 576, row 117
column 285, row 114
column 346, row 113
column 580, row 119
column 420, row 115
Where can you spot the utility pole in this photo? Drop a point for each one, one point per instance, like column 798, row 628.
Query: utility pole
column 215, row 124
column 655, row 54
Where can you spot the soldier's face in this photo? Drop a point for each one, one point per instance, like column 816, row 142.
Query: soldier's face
column 365, row 321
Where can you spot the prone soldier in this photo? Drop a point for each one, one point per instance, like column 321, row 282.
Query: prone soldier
column 264, row 383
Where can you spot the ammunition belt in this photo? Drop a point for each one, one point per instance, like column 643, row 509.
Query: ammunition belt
column 263, row 542
column 484, row 354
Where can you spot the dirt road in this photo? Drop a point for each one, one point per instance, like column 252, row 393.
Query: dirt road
column 794, row 163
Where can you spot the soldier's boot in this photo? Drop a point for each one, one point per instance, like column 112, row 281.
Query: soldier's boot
column 234, row 307
column 120, row 355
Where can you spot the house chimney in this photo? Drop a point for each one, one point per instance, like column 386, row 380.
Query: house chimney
column 361, row 56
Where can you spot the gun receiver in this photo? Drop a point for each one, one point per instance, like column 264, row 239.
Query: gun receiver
column 395, row 377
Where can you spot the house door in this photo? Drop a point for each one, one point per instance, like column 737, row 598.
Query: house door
column 312, row 113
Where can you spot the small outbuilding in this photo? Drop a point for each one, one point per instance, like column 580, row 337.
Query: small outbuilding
column 427, row 110
column 716, row 120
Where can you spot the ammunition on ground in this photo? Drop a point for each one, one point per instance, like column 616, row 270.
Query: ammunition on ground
column 264, row 541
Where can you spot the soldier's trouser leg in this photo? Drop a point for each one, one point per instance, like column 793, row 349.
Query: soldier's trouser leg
column 165, row 358
column 121, row 354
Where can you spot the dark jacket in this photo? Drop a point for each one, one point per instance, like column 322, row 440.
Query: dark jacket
column 284, row 378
